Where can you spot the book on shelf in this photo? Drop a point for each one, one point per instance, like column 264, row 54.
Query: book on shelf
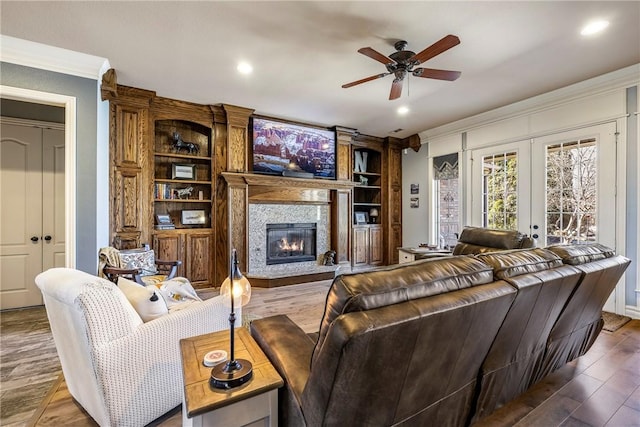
column 165, row 227
column 163, row 192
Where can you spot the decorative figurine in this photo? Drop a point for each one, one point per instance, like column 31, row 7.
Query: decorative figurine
column 179, row 144
column 329, row 258
column 186, row 192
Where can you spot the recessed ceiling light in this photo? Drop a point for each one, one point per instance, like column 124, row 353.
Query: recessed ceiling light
column 594, row 27
column 244, row 68
column 403, row 110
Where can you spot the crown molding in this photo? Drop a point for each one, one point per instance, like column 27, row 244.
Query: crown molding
column 51, row 58
column 625, row 77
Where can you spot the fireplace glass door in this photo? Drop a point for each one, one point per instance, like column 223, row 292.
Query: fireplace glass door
column 288, row 243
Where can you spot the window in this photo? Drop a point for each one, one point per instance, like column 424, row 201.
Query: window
column 571, row 182
column 500, row 184
column 447, row 199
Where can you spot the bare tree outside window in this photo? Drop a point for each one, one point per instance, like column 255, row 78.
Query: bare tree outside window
column 571, row 192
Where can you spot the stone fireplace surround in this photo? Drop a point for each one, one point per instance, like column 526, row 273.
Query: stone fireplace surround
column 261, row 214
column 256, row 199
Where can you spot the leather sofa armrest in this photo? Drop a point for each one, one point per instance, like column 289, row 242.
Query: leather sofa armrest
column 289, row 349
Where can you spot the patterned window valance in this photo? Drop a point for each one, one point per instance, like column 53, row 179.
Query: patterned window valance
column 446, row 167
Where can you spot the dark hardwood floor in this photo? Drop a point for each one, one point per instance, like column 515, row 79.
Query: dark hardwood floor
column 601, row 388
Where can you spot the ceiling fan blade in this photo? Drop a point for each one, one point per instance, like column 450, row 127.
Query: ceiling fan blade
column 366, row 79
column 442, row 45
column 431, row 73
column 396, row 89
column 374, row 54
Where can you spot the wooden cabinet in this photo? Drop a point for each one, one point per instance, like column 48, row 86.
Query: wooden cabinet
column 182, row 174
column 367, row 178
column 162, row 166
column 183, row 191
column 367, row 245
column 368, row 204
column 194, row 247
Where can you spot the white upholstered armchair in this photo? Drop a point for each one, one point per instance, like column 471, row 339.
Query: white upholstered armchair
column 122, row 371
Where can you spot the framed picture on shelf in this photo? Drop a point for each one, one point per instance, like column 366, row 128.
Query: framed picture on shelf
column 163, row 219
column 193, row 217
column 361, row 218
column 183, row 171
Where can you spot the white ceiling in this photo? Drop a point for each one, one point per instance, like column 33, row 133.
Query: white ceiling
column 302, row 52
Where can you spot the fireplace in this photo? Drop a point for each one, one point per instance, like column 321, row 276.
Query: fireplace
column 287, row 243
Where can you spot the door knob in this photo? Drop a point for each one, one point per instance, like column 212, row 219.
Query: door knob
column 34, row 239
column 47, row 238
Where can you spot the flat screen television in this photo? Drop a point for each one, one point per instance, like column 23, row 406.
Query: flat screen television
column 281, row 148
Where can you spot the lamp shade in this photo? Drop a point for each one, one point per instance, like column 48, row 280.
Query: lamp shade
column 373, row 212
column 239, row 286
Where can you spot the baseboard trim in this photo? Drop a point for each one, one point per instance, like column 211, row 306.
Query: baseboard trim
column 632, row 311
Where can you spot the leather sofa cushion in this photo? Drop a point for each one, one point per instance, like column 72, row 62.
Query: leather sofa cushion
column 581, row 254
column 478, row 240
column 513, row 263
column 400, row 283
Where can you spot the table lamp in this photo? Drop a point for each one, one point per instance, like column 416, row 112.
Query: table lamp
column 235, row 372
column 373, row 214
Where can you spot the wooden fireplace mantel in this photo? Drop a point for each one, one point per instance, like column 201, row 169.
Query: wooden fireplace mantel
column 280, row 181
column 278, row 189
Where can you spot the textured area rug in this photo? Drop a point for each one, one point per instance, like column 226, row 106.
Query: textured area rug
column 613, row 322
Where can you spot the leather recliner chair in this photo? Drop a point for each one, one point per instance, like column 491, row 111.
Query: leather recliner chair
column 400, row 345
column 581, row 321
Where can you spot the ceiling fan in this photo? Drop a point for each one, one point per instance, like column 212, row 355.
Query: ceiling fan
column 402, row 61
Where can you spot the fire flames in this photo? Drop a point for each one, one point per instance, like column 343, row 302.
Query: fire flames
column 285, row 246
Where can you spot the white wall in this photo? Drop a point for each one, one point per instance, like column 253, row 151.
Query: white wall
column 415, row 221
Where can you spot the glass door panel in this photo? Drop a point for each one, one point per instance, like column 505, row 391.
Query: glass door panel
column 500, row 182
column 574, row 186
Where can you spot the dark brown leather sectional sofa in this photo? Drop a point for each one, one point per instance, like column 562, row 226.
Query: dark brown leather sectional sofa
column 440, row 342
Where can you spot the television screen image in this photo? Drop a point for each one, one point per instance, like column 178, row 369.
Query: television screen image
column 279, row 147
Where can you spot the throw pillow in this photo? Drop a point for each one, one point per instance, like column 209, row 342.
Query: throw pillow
column 178, row 291
column 140, row 259
column 142, row 299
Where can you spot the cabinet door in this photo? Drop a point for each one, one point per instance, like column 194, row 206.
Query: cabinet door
column 129, row 183
column 375, row 245
column 360, row 246
column 199, row 259
column 170, row 246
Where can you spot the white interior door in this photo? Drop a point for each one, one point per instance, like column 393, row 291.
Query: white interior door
column 53, row 218
column 31, row 201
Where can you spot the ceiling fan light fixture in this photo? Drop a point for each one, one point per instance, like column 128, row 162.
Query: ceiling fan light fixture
column 594, row 27
column 402, row 63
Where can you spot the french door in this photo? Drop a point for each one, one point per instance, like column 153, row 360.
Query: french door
column 559, row 188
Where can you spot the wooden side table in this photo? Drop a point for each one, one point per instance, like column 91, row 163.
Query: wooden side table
column 253, row 403
column 412, row 254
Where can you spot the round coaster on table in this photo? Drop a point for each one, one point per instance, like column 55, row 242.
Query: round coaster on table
column 214, row 357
